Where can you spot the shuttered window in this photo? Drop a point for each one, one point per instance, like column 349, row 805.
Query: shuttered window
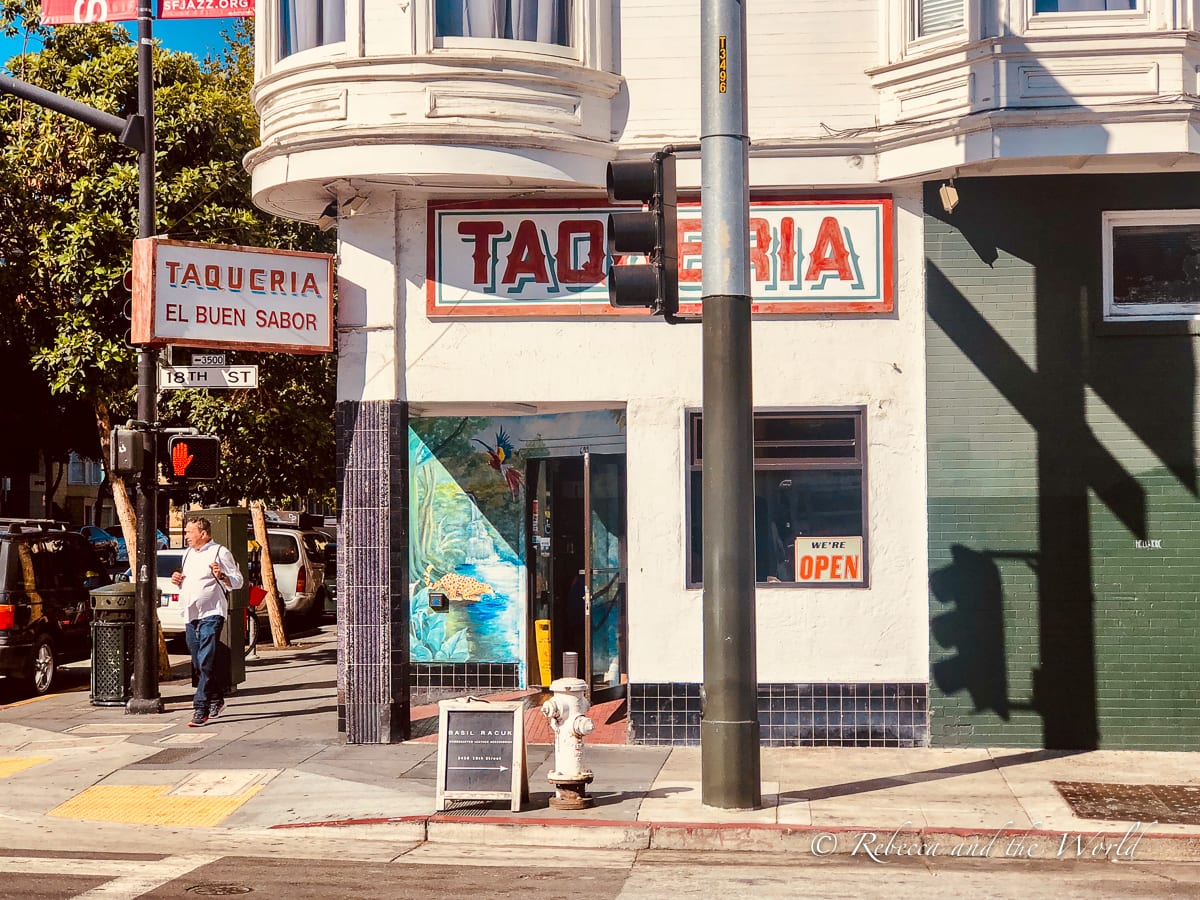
column 936, row 16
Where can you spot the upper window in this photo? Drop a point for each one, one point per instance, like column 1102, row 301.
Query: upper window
column 84, row 471
column 809, row 498
column 539, row 21
column 935, row 16
column 304, row 24
column 1152, row 265
column 1069, row 6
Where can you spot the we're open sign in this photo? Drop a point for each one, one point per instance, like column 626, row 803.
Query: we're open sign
column 836, row 560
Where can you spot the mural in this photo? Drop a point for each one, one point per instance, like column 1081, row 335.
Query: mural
column 466, row 524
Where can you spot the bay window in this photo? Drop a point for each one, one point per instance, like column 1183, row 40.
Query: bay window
column 538, row 21
column 305, row 24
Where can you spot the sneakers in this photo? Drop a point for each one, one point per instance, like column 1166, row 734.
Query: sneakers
column 215, row 708
column 199, row 719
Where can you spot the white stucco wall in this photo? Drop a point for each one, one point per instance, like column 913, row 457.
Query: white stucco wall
column 806, row 79
column 653, row 371
column 807, row 67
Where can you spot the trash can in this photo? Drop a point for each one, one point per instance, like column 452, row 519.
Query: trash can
column 112, row 643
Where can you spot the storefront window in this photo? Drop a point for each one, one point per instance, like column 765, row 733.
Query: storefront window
column 809, row 498
column 304, row 24
column 540, row 21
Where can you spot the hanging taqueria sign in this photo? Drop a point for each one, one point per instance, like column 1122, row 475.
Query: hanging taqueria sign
column 231, row 297
column 826, row 255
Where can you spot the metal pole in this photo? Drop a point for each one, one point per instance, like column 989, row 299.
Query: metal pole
column 146, row 698
column 729, row 750
column 128, row 130
column 587, row 570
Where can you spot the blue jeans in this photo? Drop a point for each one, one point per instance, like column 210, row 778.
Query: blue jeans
column 204, row 641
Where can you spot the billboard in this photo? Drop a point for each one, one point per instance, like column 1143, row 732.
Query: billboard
column 248, row 298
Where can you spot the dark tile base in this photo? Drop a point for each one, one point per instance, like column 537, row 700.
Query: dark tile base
column 429, row 677
column 891, row 714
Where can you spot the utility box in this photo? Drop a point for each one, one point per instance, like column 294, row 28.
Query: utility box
column 112, row 643
column 230, row 527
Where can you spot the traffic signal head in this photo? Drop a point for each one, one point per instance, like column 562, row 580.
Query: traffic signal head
column 652, row 233
column 195, row 457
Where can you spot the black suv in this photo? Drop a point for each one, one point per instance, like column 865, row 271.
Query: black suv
column 46, row 573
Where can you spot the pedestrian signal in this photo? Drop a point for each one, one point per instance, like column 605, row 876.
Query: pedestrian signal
column 196, row 457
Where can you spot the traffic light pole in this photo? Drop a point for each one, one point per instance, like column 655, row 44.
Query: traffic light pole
column 146, row 698
column 730, row 763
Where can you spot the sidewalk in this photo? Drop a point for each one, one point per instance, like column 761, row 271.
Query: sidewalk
column 272, row 772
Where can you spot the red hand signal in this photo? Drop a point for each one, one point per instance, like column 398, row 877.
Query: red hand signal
column 180, row 458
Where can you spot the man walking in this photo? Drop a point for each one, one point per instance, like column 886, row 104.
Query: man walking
column 209, row 574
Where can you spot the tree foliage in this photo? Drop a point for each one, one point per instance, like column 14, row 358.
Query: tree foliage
column 69, row 215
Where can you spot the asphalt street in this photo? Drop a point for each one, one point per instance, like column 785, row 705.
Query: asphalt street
column 430, row 872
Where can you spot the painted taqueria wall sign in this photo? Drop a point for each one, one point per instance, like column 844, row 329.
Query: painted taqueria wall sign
column 810, row 255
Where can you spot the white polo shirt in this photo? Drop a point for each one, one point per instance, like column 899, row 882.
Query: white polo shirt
column 201, row 595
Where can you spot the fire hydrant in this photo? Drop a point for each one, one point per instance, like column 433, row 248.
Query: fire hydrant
column 565, row 710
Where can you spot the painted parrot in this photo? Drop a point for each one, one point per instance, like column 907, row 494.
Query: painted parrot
column 498, row 459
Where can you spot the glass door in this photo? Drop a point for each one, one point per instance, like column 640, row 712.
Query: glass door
column 605, row 568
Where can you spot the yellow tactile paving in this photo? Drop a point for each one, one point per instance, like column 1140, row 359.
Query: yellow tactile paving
column 149, row 804
column 13, row 765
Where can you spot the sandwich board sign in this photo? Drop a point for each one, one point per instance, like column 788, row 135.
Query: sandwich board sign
column 481, row 752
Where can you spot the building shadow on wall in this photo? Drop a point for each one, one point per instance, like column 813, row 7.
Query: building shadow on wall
column 1147, row 382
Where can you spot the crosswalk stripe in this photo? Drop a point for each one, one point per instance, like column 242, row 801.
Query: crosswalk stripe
column 152, row 876
column 130, row 877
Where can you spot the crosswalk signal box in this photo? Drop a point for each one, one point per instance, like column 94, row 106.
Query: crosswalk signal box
column 195, row 457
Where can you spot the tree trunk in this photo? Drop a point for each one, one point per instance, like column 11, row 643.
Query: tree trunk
column 126, row 514
column 52, row 484
column 164, row 660
column 274, row 606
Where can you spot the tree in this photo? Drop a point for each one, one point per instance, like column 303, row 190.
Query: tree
column 70, row 215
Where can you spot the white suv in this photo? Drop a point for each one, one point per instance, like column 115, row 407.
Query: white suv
column 299, row 561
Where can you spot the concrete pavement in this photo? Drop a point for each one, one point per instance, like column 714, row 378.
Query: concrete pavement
column 272, row 774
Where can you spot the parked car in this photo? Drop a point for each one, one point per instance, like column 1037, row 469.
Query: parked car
column 299, row 562
column 103, row 543
column 170, row 611
column 123, row 551
column 325, row 540
column 46, row 573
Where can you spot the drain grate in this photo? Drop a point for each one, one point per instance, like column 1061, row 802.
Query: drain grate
column 1167, row 804
column 168, row 757
column 215, row 889
column 472, row 807
column 424, row 727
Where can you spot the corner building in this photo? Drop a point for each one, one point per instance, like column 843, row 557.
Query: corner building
column 974, row 492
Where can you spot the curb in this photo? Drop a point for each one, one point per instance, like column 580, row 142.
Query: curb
column 880, row 845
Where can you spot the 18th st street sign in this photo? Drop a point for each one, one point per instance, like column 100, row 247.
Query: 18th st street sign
column 213, row 377
column 226, row 297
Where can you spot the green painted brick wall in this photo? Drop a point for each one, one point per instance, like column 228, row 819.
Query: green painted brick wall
column 1056, row 442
